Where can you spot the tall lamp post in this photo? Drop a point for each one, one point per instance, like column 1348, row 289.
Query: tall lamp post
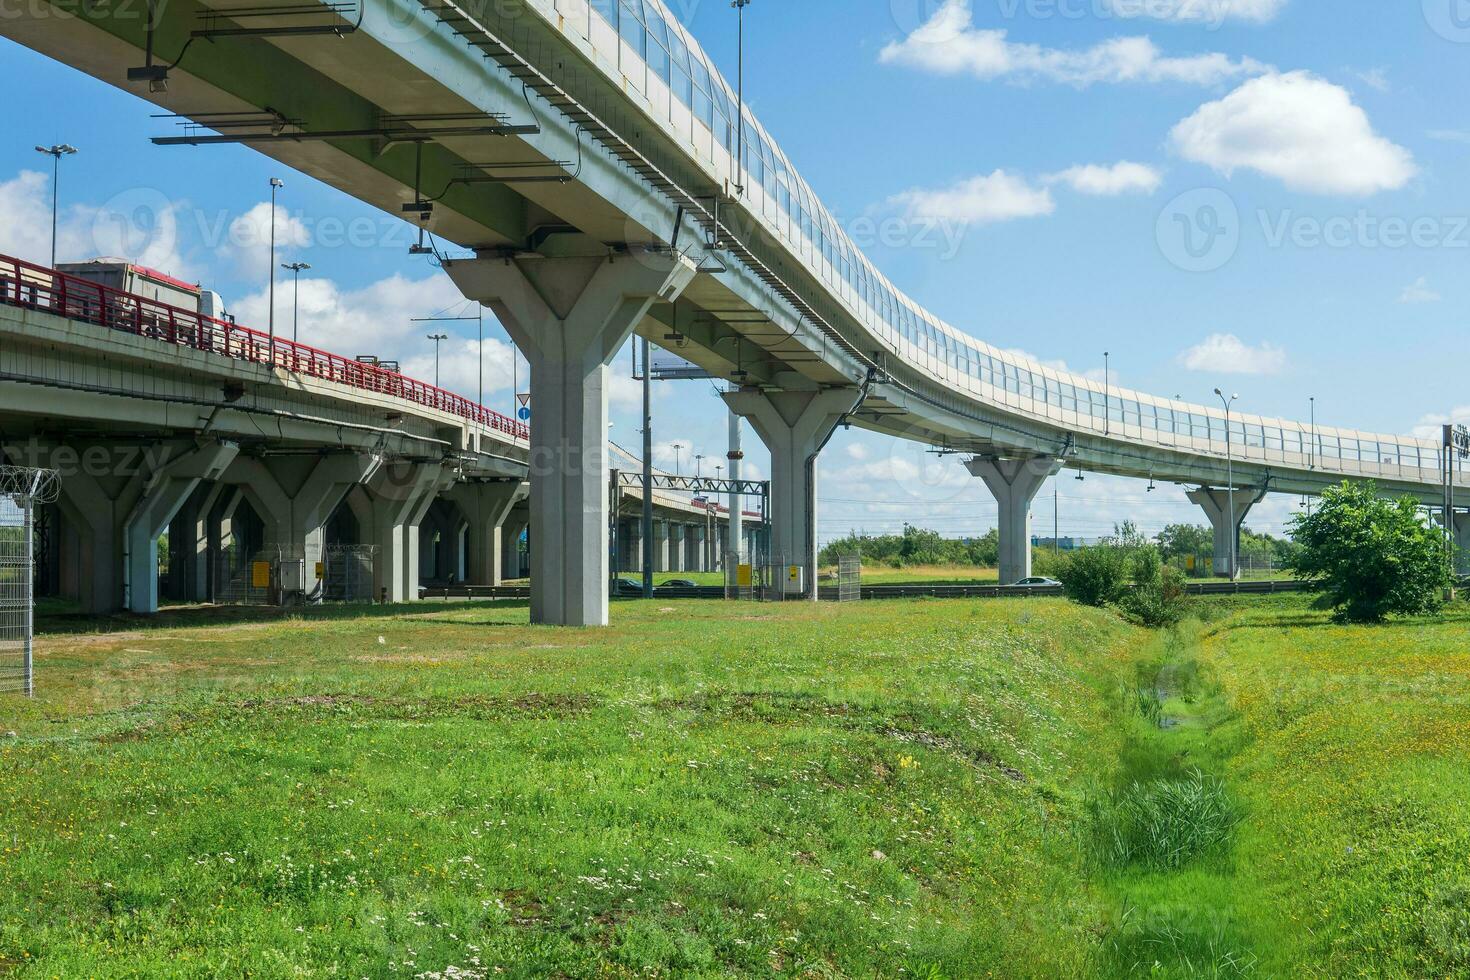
column 699, row 465
column 437, row 338
column 677, row 448
column 55, row 153
column 1107, row 394
column 296, row 268
column 1230, row 481
column 276, row 184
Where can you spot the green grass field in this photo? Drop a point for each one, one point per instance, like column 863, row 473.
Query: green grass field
column 930, row 788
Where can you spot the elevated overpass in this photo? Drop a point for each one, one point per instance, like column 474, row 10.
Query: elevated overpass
column 607, row 181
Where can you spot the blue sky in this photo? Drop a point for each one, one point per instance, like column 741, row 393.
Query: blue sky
column 1080, row 137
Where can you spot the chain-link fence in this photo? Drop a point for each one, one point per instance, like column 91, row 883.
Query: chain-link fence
column 849, row 578
column 22, row 492
column 348, row 572
column 268, row 577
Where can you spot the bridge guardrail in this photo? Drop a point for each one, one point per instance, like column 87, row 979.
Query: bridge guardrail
column 34, row 287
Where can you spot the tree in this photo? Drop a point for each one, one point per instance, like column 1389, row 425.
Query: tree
column 1374, row 558
column 1096, row 576
column 1178, row 541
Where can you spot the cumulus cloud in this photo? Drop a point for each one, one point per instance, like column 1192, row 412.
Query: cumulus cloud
column 1419, row 291
column 249, row 239
column 949, row 43
column 1300, row 129
column 140, row 225
column 1225, row 353
column 1123, row 177
column 999, row 196
column 1431, row 426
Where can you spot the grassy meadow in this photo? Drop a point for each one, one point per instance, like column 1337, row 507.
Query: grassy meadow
column 925, row 788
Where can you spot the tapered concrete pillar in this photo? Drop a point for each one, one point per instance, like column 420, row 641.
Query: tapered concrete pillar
column 486, row 507
column 510, row 541
column 794, row 425
column 295, row 495
column 660, row 546
column 390, row 508
column 164, row 492
column 699, row 545
column 570, row 316
column 1014, row 483
column 1460, row 522
column 1216, row 505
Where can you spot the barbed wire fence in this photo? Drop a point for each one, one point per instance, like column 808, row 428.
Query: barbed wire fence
column 22, row 491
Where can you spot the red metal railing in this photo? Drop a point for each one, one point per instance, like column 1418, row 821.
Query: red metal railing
column 36, row 287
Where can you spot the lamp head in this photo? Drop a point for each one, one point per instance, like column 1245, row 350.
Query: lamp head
column 1219, row 392
column 277, row 182
column 67, row 148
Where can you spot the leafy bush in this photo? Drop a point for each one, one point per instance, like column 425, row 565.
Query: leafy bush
column 1374, row 558
column 916, row 546
column 1158, row 599
column 1095, row 576
column 1162, row 824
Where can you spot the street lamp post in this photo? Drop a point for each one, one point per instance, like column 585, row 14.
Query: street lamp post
column 677, row 448
column 1107, row 394
column 276, row 184
column 699, row 465
column 55, row 153
column 437, row 338
column 1230, row 482
column 296, row 269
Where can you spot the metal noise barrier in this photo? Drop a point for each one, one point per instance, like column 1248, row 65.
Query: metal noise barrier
column 22, row 491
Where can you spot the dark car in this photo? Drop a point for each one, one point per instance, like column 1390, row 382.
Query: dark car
column 627, row 588
column 1037, row 582
column 678, row 583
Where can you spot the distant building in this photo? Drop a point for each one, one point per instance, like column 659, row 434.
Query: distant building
column 1064, row 544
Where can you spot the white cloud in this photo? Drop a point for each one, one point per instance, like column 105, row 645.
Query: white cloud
column 1123, row 177
column 1431, row 426
column 249, row 242
column 857, row 451
column 139, row 224
column 1000, row 196
column 1225, row 353
column 1418, row 291
column 1211, row 12
column 1375, row 78
column 1300, row 129
column 950, row 44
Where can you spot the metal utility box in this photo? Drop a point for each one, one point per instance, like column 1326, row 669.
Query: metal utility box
column 794, row 581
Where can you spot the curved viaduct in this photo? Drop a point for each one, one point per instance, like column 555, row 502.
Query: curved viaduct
column 586, row 153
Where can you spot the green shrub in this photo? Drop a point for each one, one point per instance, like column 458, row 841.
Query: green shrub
column 1162, row 824
column 1095, row 576
column 1157, row 601
column 1374, row 558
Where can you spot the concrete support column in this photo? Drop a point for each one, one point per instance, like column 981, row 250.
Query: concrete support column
column 394, row 503
column 700, row 549
column 570, row 316
column 1014, row 483
column 794, row 425
column 1216, row 505
column 510, row 540
column 163, row 493
column 660, row 546
column 295, row 495
column 678, row 547
column 486, row 508
column 1461, row 536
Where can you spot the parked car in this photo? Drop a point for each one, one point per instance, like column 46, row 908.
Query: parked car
column 678, row 583
column 1037, row 582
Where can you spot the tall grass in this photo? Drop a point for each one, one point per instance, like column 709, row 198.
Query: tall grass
column 1161, row 824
